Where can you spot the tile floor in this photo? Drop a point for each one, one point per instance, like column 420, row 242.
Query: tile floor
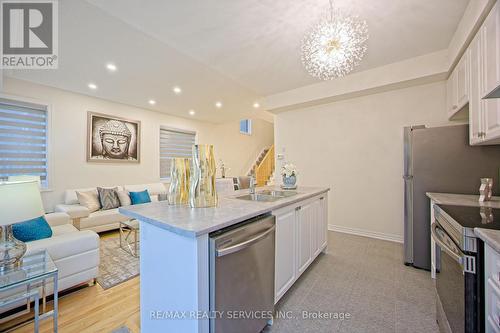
column 365, row 278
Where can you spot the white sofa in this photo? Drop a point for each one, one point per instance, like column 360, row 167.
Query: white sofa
column 102, row 220
column 75, row 253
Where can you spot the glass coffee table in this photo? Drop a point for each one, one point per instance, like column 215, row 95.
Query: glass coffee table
column 27, row 281
column 130, row 229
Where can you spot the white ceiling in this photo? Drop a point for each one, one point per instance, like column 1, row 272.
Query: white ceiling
column 230, row 50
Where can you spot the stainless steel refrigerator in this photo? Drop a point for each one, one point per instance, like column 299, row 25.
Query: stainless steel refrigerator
column 439, row 159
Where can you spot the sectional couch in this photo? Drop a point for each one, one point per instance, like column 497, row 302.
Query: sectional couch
column 75, row 254
column 102, row 220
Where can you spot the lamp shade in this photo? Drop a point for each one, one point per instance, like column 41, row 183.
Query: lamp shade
column 20, row 201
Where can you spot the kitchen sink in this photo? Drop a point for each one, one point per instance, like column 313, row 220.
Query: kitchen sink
column 282, row 194
column 259, row 197
column 268, row 195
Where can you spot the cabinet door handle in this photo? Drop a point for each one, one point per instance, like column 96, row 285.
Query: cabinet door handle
column 322, row 198
column 298, row 208
column 454, row 107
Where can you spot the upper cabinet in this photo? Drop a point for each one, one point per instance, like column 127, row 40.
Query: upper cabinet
column 476, row 122
column 483, row 76
column 490, row 32
column 458, row 87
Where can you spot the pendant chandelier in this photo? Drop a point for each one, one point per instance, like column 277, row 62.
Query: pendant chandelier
column 334, row 45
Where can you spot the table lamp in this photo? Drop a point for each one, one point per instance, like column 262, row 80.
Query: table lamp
column 19, row 202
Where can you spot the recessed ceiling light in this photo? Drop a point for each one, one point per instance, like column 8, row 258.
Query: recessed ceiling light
column 191, row 112
column 256, row 105
column 152, row 102
column 111, row 67
column 218, row 105
column 177, row 90
column 92, row 86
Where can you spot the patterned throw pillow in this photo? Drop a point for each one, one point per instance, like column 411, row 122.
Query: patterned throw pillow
column 89, row 199
column 108, row 198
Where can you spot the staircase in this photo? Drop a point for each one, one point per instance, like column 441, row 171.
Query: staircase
column 264, row 167
column 258, row 161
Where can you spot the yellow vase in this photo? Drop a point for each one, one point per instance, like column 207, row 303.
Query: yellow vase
column 202, row 192
column 178, row 193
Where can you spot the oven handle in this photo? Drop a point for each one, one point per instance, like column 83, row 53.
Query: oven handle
column 458, row 258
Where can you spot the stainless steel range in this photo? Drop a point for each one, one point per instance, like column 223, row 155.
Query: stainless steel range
column 459, row 265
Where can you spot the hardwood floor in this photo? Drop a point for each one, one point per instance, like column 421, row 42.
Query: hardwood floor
column 93, row 309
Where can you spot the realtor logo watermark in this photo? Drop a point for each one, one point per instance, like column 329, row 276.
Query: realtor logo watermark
column 29, row 32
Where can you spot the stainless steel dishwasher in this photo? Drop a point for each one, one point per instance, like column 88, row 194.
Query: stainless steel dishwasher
column 242, row 276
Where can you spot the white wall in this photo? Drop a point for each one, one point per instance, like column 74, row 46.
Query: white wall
column 240, row 150
column 355, row 147
column 68, row 135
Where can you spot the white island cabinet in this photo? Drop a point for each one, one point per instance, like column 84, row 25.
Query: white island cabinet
column 174, row 245
column 301, row 235
column 491, row 239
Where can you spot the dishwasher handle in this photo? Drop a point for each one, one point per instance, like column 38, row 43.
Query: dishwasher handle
column 243, row 245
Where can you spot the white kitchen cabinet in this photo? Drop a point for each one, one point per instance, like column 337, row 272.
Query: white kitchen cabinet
column 491, row 50
column 458, row 87
column 491, row 121
column 476, row 105
column 305, row 222
column 320, row 225
column 285, row 259
column 490, row 37
column 301, row 235
column 492, row 289
column 484, row 63
column 462, row 78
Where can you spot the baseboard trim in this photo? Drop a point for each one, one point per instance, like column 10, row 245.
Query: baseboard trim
column 366, row 233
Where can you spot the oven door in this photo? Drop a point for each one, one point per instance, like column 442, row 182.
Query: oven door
column 450, row 282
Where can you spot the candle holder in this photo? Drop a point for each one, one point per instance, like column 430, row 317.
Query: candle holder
column 178, row 193
column 202, row 192
column 486, row 189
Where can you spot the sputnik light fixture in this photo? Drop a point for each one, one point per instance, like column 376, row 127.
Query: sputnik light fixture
column 334, row 45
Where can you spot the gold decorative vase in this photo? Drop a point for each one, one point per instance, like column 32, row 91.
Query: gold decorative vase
column 202, row 191
column 178, row 193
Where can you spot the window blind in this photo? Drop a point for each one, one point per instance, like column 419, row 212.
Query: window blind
column 23, row 141
column 174, row 143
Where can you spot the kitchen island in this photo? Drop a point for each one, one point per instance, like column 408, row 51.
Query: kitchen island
column 174, row 251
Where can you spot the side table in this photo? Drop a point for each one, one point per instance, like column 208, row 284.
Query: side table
column 29, row 276
column 127, row 229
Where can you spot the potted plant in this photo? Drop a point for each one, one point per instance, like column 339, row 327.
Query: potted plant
column 289, row 174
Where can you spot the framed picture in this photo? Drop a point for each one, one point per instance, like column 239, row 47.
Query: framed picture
column 113, row 139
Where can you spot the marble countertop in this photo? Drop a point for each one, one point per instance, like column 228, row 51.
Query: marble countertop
column 462, row 200
column 193, row 222
column 490, row 237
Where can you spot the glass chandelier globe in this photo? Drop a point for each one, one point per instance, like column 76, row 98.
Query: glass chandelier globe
column 335, row 45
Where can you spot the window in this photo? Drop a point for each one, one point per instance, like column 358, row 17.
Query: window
column 246, row 126
column 23, row 140
column 174, row 143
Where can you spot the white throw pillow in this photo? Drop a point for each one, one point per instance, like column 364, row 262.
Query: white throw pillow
column 89, row 199
column 124, row 198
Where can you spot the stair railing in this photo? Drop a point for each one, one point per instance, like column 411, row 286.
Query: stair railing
column 265, row 168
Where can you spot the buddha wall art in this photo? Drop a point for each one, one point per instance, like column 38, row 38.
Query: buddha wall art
column 113, row 139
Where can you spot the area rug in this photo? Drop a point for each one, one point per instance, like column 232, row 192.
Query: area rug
column 117, row 265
